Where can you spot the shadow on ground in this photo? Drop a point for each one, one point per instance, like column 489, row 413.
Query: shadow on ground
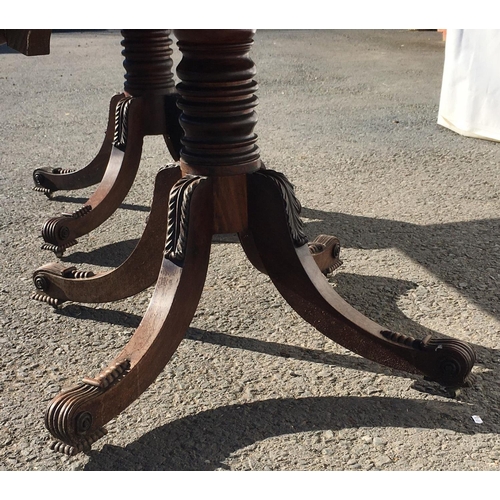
column 461, row 254
column 382, row 292
column 203, row 441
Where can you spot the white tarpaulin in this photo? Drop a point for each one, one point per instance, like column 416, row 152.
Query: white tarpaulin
column 470, row 94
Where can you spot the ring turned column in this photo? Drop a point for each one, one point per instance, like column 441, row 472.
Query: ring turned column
column 217, row 102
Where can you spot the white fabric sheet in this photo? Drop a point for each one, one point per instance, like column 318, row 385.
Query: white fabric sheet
column 470, row 93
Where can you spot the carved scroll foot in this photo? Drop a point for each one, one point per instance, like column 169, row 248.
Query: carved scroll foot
column 325, row 250
column 277, row 232
column 49, row 180
column 62, row 232
column 76, row 417
column 57, row 283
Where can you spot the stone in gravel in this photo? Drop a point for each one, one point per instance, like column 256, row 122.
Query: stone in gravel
column 382, row 460
column 328, row 434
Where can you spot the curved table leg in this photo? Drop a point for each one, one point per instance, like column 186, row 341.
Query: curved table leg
column 57, row 283
column 276, row 230
column 48, row 180
column 76, row 417
column 60, row 233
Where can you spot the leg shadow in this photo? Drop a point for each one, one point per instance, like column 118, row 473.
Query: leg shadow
column 203, row 441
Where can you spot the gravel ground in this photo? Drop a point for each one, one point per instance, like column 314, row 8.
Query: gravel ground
column 350, row 118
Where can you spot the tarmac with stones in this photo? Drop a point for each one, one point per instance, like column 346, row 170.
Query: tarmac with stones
column 350, row 118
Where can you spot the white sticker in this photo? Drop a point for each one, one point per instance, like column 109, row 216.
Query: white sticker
column 477, row 419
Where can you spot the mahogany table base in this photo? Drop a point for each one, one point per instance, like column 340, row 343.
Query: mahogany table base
column 146, row 107
column 224, row 188
column 57, row 283
column 154, row 112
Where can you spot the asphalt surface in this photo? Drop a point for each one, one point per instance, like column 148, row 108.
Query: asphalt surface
column 350, row 118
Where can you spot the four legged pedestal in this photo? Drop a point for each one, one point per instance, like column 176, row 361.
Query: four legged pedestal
column 223, row 187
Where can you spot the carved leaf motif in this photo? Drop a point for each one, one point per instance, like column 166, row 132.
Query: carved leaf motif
column 121, row 123
column 178, row 217
column 292, row 205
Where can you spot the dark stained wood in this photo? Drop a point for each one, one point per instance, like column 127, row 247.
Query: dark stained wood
column 28, row 42
column 230, row 199
column 298, row 278
column 148, row 63
column 62, row 232
column 217, row 100
column 325, row 251
column 49, row 180
column 76, row 417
